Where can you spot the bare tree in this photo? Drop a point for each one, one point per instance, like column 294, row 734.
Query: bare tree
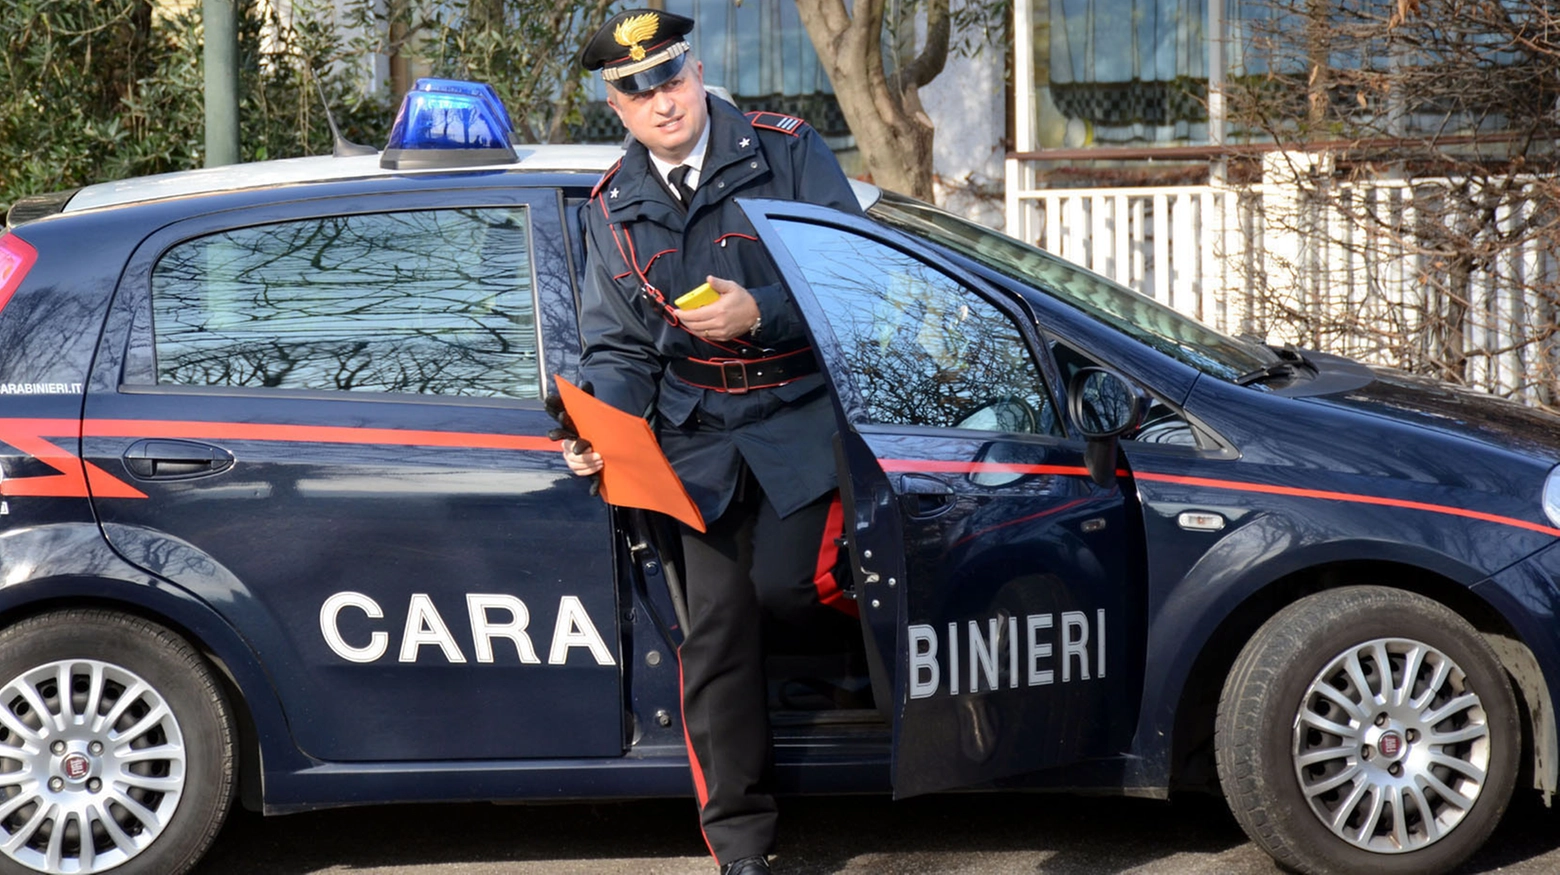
column 1413, row 214
column 879, row 54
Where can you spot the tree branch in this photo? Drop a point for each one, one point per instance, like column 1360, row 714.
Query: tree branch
column 934, row 53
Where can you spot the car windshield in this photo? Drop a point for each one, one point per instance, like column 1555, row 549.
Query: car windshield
column 1133, row 314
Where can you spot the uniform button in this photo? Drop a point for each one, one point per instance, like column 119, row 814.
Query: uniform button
column 753, row 165
column 721, row 184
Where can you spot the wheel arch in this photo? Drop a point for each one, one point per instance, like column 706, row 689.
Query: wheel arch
column 1191, row 763
column 263, row 738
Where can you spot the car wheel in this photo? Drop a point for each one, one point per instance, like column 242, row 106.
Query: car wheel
column 1367, row 729
column 116, row 747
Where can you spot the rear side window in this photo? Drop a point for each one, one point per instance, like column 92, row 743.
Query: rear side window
column 436, row 302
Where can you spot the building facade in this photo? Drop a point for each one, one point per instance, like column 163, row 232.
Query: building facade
column 1376, row 180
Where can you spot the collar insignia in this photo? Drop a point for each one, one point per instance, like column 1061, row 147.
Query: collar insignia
column 612, row 193
column 630, row 32
column 743, row 143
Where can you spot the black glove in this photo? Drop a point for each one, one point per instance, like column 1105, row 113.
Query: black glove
column 565, row 429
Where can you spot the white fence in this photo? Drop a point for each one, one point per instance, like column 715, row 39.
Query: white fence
column 1351, row 268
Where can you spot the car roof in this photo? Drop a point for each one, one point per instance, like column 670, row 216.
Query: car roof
column 323, row 168
column 586, row 159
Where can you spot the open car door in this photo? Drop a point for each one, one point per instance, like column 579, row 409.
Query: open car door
column 999, row 585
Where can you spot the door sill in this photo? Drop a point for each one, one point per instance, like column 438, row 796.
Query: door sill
column 864, row 717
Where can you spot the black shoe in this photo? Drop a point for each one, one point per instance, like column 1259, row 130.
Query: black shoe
column 746, row 866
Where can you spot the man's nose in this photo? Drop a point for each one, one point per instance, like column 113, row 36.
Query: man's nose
column 664, row 104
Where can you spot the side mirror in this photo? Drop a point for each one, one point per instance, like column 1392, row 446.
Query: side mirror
column 1104, row 405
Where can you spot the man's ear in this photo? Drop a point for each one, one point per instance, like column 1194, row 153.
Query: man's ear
column 612, row 101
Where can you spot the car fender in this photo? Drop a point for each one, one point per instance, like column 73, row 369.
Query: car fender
column 69, row 563
column 1526, row 593
column 1230, row 579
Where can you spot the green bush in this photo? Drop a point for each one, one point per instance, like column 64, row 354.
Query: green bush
column 95, row 90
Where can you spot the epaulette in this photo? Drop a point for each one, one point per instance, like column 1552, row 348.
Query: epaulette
column 774, row 121
column 604, row 177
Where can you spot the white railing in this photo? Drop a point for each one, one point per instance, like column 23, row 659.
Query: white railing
column 1339, row 270
column 1173, row 244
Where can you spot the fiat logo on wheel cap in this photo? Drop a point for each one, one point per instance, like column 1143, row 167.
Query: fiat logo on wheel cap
column 76, row 766
column 1391, row 745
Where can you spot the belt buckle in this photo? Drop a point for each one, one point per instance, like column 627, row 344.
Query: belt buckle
column 728, row 367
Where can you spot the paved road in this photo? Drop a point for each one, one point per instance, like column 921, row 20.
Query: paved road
column 946, row 834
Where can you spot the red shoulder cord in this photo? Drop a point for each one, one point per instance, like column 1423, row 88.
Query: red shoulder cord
column 668, row 312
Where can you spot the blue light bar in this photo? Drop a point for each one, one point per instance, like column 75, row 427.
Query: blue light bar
column 437, row 128
column 463, row 86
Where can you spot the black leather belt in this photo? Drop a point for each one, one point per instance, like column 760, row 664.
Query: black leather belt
column 741, row 375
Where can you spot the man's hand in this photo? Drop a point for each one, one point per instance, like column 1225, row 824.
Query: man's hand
column 583, row 464
column 577, row 453
column 731, row 316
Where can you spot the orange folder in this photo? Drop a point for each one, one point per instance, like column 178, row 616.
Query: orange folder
column 636, row 472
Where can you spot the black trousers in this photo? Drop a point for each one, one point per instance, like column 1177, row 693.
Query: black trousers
column 749, row 564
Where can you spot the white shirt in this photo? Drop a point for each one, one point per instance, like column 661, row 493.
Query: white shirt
column 695, row 161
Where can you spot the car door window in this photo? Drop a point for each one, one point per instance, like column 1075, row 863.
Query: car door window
column 434, row 302
column 922, row 348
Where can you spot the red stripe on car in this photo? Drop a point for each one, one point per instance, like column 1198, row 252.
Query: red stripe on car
column 79, row 479
column 1356, row 498
column 945, row 467
column 315, row 434
column 934, row 466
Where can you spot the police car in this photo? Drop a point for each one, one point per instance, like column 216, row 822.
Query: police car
column 279, row 523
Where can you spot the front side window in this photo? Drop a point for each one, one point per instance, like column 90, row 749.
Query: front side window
column 921, row 348
column 436, row 302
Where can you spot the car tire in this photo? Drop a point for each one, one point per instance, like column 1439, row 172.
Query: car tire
column 1305, row 751
column 141, row 752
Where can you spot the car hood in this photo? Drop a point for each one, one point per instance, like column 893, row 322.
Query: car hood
column 1453, row 410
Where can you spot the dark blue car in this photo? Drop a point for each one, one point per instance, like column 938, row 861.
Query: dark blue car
column 279, row 522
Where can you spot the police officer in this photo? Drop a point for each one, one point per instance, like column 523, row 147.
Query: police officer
column 732, row 386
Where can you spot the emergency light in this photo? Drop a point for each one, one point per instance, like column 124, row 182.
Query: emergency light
column 463, row 86
column 449, row 123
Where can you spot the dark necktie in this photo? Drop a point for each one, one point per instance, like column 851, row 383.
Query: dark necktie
column 679, row 180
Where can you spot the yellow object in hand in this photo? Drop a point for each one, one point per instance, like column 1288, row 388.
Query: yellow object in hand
column 697, row 298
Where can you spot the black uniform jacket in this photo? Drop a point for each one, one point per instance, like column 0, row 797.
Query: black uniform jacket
column 642, row 248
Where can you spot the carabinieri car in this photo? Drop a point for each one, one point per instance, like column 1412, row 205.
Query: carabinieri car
column 279, row 522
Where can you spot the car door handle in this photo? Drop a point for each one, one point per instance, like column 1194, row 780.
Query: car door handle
column 923, row 496
column 175, row 460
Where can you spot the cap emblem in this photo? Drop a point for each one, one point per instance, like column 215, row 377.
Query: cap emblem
column 638, row 49
column 631, row 32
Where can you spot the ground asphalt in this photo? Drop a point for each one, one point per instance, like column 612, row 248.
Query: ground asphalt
column 954, row 834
